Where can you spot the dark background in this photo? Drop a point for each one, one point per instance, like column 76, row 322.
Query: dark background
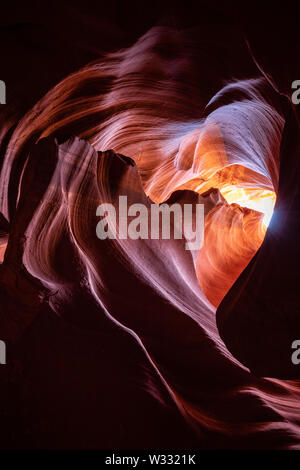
column 42, row 42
